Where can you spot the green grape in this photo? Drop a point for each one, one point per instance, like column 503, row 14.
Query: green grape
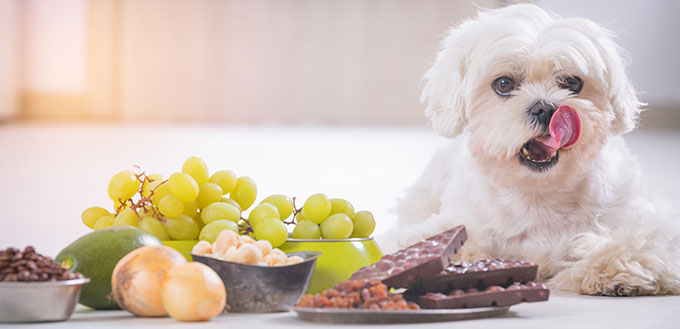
column 147, row 187
column 104, row 221
column 156, row 177
column 210, row 231
column 159, row 191
column 110, row 191
column 306, row 229
column 261, row 212
column 171, row 206
column 126, row 217
column 182, row 227
column 144, row 212
column 226, row 179
column 183, row 186
column 338, row 226
column 244, row 192
column 299, row 217
column 316, row 208
column 153, row 178
column 220, row 210
column 196, row 168
column 92, row 214
column 341, row 206
column 198, row 221
column 208, row 193
column 191, row 209
column 124, row 184
column 153, row 226
column 272, row 230
column 283, row 203
column 364, row 224
column 232, row 202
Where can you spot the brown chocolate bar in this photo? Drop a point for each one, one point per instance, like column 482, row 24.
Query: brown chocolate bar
column 480, row 274
column 491, row 296
column 411, row 264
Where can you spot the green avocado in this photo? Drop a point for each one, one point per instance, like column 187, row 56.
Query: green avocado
column 95, row 254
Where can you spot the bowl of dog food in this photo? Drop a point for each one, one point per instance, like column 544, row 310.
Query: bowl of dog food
column 33, row 288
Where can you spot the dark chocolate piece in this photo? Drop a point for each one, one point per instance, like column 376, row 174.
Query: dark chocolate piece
column 491, row 296
column 480, row 274
column 421, row 260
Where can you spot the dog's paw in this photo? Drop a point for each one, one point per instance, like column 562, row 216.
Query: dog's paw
column 609, row 278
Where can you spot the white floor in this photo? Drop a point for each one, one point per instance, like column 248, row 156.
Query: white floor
column 49, row 173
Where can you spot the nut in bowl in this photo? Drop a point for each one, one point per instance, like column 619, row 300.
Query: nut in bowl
column 261, row 288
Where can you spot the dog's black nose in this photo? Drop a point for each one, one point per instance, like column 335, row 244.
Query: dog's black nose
column 542, row 112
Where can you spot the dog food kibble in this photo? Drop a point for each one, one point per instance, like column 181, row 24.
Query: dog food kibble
column 27, row 265
column 358, row 294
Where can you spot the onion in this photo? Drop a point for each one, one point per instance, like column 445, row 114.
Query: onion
column 137, row 278
column 193, row 292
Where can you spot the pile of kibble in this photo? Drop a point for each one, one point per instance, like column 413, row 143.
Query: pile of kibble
column 27, row 265
column 358, row 294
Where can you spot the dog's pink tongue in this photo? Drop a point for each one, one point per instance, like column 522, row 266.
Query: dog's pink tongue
column 565, row 129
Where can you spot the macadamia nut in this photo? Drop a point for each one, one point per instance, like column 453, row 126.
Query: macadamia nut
column 202, row 248
column 248, row 254
column 224, row 240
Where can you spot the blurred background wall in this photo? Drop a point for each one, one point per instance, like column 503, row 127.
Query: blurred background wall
column 279, row 62
column 8, row 59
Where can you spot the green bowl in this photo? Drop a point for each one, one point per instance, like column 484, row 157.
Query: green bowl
column 183, row 246
column 339, row 258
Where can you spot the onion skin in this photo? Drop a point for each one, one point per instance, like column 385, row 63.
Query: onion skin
column 193, row 292
column 137, row 278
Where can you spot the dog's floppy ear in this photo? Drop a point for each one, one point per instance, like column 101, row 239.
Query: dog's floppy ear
column 444, row 91
column 621, row 93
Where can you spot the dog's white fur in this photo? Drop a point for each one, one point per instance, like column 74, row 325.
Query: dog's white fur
column 587, row 221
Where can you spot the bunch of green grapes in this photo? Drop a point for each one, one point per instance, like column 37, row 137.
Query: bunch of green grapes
column 319, row 217
column 192, row 204
column 332, row 219
column 189, row 204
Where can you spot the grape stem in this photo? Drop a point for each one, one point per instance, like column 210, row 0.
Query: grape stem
column 245, row 227
column 144, row 203
column 295, row 212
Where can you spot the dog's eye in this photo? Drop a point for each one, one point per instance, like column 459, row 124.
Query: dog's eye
column 503, row 86
column 572, row 83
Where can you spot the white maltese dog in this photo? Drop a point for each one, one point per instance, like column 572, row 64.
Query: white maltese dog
column 538, row 169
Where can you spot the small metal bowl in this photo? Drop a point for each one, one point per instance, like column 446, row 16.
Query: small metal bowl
column 39, row 301
column 259, row 289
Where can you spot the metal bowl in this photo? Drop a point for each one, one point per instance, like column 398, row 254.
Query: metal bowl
column 259, row 289
column 39, row 301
